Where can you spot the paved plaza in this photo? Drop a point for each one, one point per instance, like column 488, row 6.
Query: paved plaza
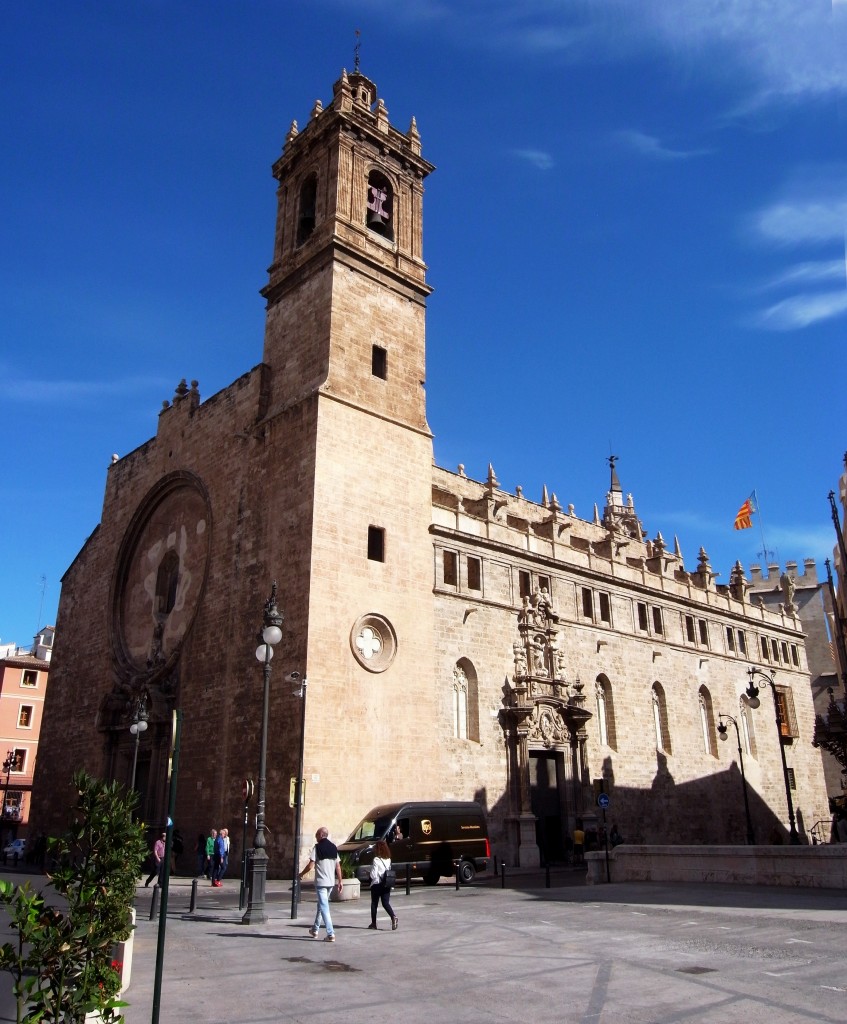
column 642, row 953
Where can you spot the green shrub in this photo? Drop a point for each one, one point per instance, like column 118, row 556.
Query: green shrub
column 61, row 962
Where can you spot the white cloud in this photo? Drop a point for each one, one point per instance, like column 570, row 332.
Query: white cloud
column 809, row 273
column 776, row 48
column 540, row 160
column 803, row 310
column 73, row 392
column 650, row 146
column 804, row 221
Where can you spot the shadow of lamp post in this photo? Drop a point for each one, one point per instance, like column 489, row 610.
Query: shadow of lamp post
column 271, row 634
column 722, row 732
column 300, row 692
column 753, row 700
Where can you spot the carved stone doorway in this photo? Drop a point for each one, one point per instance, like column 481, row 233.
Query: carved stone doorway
column 547, row 790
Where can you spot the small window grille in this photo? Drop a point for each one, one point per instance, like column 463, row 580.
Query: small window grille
column 379, row 362
column 376, row 544
column 605, row 608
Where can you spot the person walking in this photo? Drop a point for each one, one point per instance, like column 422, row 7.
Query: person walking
column 380, row 889
column 159, row 859
column 327, row 864
column 225, row 865
column 218, row 860
column 210, row 852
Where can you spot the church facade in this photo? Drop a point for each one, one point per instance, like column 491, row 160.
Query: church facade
column 460, row 642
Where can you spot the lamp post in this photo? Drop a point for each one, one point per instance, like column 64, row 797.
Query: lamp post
column 8, row 765
column 271, row 634
column 751, row 839
column 753, row 700
column 139, row 725
column 298, row 795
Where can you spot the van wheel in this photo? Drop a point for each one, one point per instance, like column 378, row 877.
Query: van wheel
column 466, row 872
column 431, row 878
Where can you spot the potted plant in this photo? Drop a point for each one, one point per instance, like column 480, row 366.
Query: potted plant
column 351, row 889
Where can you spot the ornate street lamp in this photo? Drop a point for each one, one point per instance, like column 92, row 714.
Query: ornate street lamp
column 298, row 793
column 271, row 634
column 8, row 765
column 753, row 700
column 139, row 725
column 751, row 839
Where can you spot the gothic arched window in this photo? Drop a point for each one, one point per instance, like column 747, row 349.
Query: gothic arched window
column 379, row 215
column 605, row 712
column 747, row 728
column 166, row 583
column 660, row 719
column 465, row 701
column 306, row 209
column 707, row 721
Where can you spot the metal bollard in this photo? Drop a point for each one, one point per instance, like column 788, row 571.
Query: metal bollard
column 546, row 876
column 496, row 869
column 408, row 879
column 154, row 902
column 193, row 904
column 458, row 874
column 502, row 874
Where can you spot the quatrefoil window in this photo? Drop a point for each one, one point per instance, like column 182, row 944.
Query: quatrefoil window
column 373, row 642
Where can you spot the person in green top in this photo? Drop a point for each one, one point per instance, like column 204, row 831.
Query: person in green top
column 210, row 851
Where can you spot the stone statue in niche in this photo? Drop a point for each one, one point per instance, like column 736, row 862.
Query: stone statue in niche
column 537, row 652
column 520, row 659
column 789, row 588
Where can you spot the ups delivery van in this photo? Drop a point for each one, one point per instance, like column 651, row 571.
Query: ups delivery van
column 429, row 838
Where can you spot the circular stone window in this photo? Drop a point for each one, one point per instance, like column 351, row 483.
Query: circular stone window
column 373, row 642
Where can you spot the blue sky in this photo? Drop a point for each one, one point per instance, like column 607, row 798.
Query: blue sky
column 636, row 236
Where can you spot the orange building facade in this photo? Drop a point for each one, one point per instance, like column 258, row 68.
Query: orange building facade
column 23, row 686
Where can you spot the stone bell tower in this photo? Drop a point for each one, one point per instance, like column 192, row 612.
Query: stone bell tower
column 347, row 289
column 345, row 366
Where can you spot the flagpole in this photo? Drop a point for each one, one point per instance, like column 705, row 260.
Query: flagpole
column 761, row 526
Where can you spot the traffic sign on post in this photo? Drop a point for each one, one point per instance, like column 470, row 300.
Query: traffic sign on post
column 603, row 801
column 247, row 789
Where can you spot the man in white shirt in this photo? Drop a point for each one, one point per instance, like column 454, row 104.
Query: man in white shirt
column 327, row 865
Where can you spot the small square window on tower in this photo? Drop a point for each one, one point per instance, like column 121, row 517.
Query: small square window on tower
column 450, row 572
column 376, row 544
column 474, row 574
column 379, row 362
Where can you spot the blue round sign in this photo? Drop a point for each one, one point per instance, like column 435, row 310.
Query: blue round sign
column 603, row 801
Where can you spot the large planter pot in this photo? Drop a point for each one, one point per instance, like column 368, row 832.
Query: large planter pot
column 351, row 890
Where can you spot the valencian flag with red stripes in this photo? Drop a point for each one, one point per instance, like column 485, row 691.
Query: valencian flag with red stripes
column 742, row 517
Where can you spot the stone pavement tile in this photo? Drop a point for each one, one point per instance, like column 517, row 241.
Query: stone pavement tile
column 636, row 954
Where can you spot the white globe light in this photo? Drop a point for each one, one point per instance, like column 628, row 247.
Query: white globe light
column 272, row 634
column 264, row 651
column 134, row 728
column 142, row 725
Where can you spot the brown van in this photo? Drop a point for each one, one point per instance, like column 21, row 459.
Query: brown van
column 427, row 837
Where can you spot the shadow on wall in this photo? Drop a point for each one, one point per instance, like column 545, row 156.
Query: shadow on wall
column 707, row 811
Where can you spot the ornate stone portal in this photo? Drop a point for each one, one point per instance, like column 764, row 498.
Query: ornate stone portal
column 542, row 712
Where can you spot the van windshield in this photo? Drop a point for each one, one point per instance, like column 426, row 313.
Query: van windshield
column 370, row 829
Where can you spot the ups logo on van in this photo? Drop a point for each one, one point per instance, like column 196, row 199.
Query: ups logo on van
column 426, row 826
